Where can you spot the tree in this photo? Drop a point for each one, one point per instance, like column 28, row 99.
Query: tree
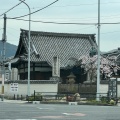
column 108, row 67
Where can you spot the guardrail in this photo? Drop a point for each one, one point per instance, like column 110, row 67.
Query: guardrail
column 44, row 96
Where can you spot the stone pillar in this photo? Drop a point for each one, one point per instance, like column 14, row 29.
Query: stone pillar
column 14, row 74
column 56, row 67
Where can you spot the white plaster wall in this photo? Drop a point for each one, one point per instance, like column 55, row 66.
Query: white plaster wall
column 0, row 74
column 118, row 91
column 22, row 89
column 104, row 89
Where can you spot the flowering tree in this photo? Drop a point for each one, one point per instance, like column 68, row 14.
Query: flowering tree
column 108, row 68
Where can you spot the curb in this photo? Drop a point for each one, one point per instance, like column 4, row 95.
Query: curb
column 48, row 102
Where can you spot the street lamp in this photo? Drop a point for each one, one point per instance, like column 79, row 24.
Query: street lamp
column 98, row 67
column 28, row 87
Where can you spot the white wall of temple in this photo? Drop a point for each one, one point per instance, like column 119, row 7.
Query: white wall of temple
column 22, row 89
column 104, row 89
column 0, row 74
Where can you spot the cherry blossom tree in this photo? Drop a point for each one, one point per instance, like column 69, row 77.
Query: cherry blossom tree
column 108, row 67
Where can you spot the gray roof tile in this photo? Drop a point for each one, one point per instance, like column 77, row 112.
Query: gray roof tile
column 64, row 45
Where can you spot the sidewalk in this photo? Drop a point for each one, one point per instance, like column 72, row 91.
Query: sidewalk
column 24, row 102
column 14, row 101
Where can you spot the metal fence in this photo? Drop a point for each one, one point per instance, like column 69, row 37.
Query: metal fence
column 66, row 96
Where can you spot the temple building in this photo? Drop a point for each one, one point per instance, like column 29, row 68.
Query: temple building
column 49, row 49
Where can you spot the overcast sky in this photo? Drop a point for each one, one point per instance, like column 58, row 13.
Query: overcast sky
column 75, row 11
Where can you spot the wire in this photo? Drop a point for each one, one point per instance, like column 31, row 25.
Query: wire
column 11, row 8
column 38, row 10
column 72, row 5
column 81, row 29
column 111, row 23
column 78, row 5
column 67, row 22
column 57, row 22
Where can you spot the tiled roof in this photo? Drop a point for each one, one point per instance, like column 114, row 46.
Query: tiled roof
column 12, row 60
column 49, row 45
column 113, row 55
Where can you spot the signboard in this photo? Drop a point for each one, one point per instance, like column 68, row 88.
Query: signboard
column 112, row 88
column 7, row 76
column 14, row 87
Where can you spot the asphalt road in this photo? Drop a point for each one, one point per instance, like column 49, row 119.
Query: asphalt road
column 14, row 111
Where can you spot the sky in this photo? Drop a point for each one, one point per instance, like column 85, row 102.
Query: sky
column 66, row 11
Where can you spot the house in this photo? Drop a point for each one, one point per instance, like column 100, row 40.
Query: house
column 45, row 46
column 114, row 57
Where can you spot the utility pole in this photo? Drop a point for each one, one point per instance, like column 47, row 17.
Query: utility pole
column 98, row 65
column 3, row 65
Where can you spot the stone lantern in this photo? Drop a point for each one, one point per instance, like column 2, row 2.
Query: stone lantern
column 71, row 78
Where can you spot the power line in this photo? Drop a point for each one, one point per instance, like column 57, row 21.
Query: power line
column 11, row 8
column 56, row 22
column 75, row 5
column 110, row 23
column 51, row 22
column 38, row 10
column 81, row 29
column 71, row 5
column 48, row 6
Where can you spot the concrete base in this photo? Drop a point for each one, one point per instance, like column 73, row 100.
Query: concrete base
column 36, row 102
column 73, row 103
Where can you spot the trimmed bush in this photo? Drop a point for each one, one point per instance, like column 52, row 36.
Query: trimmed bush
column 112, row 102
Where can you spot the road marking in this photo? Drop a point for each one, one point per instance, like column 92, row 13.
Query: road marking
column 45, row 108
column 18, row 119
column 74, row 114
column 50, row 117
column 66, row 113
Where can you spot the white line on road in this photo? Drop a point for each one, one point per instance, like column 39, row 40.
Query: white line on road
column 45, row 108
column 18, row 119
column 67, row 114
column 74, row 114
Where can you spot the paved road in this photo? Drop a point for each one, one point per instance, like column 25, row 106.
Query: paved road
column 14, row 111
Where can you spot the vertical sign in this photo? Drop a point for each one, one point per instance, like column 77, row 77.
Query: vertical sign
column 7, row 75
column 112, row 88
column 14, row 87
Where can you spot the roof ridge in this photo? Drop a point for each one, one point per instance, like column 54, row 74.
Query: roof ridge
column 59, row 34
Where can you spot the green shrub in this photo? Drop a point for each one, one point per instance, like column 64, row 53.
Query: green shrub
column 31, row 98
column 38, row 97
column 104, row 99
column 112, row 102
